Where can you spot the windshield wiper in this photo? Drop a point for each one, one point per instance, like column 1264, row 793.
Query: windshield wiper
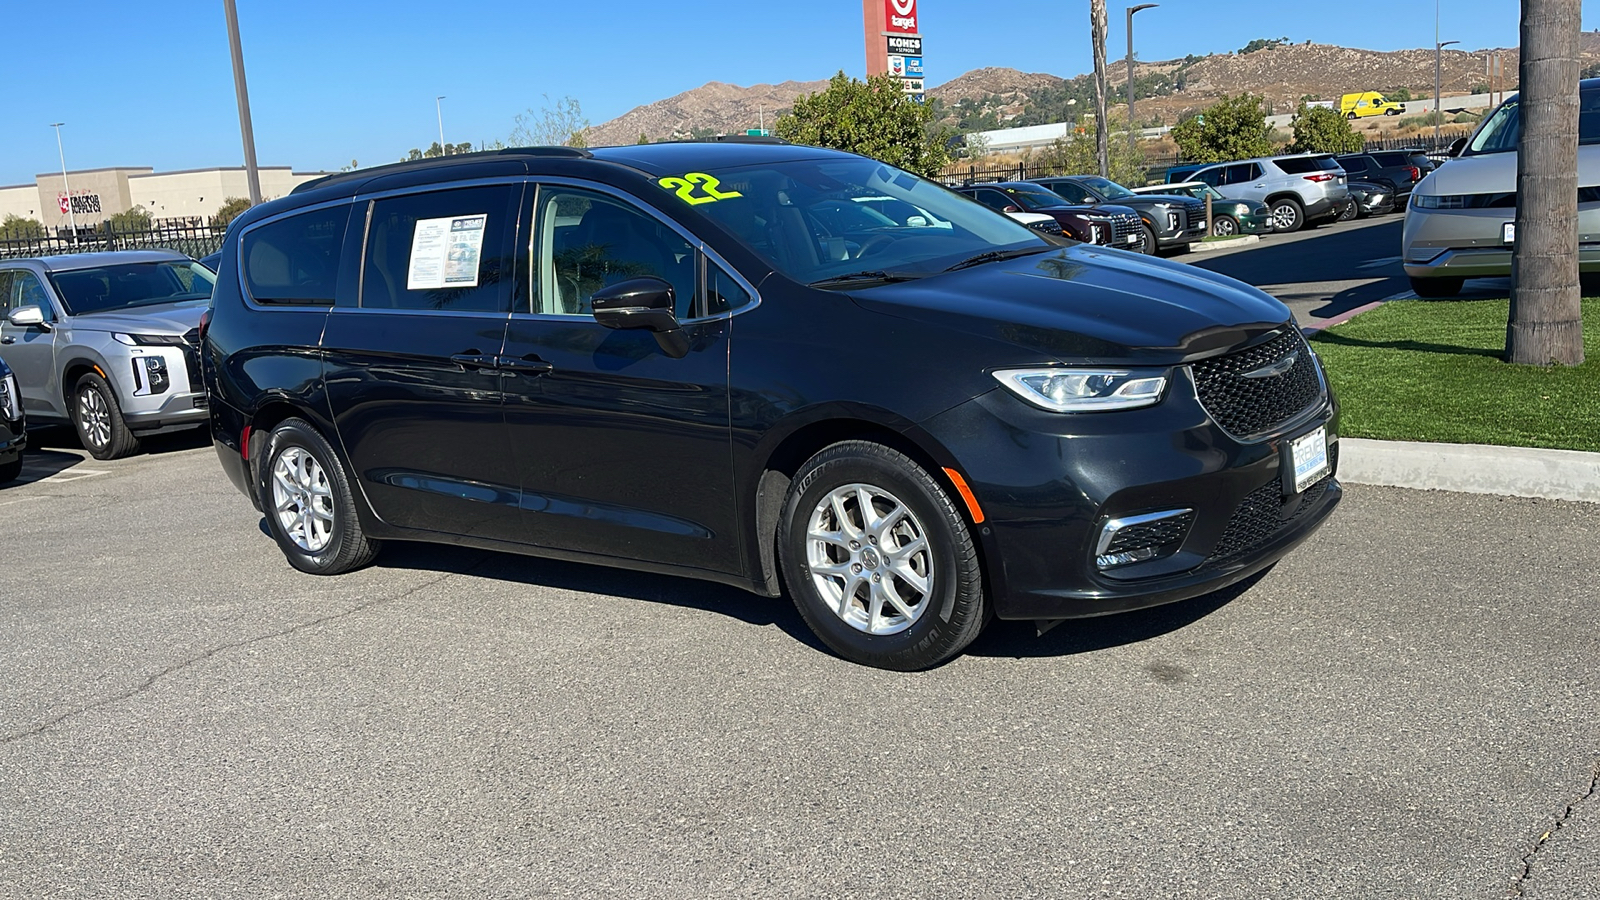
column 865, row 277
column 993, row 255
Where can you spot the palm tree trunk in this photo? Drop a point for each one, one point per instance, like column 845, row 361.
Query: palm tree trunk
column 1546, row 322
column 1102, row 133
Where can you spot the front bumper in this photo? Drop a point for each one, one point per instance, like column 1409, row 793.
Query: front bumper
column 1048, row 483
column 13, row 440
column 1470, row 243
column 1260, row 223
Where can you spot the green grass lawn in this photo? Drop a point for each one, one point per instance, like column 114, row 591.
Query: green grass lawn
column 1432, row 371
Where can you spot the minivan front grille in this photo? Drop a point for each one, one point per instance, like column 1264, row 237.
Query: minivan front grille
column 1259, row 388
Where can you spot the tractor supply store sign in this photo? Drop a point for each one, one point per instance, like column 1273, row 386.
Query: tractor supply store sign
column 79, row 204
column 900, row 16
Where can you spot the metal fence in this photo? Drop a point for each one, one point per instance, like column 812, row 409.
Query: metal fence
column 196, row 240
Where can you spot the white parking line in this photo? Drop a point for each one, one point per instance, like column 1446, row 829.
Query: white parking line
column 1403, row 295
column 72, row 475
column 1379, row 263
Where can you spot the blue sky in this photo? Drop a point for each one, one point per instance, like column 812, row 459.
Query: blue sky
column 333, row 81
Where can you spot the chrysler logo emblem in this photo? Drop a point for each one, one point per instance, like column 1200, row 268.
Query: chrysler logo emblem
column 1272, row 370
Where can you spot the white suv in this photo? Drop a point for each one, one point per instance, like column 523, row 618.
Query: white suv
column 108, row 342
column 1299, row 188
column 1460, row 222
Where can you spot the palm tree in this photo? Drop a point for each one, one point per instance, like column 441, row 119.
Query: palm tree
column 1097, row 27
column 1546, row 322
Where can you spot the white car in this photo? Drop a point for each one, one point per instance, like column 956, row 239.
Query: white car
column 1460, row 223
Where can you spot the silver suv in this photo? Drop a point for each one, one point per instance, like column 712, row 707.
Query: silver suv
column 107, row 342
column 1298, row 189
column 1461, row 222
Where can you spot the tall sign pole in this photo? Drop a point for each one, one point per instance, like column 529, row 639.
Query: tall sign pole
column 65, row 187
column 252, row 175
column 894, row 42
column 1133, row 126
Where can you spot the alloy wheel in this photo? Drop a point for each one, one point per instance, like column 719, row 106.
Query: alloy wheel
column 870, row 559
column 302, row 499
column 94, row 417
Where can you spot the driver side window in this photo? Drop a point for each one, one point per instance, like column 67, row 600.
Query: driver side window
column 25, row 289
column 585, row 241
column 1070, row 192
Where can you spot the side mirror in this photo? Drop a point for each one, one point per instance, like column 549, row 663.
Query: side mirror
column 1456, row 146
column 24, row 316
column 1012, row 209
column 642, row 303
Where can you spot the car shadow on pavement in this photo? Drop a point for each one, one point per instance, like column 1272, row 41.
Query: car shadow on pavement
column 688, row 593
column 64, row 437
column 1020, row 639
column 1331, row 337
column 37, row 465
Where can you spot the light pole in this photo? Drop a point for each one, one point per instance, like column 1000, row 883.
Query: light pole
column 1438, row 114
column 251, row 174
column 439, row 111
column 1132, row 133
column 65, row 187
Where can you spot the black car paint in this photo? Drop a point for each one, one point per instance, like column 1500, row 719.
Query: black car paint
column 1077, row 220
column 622, row 455
column 13, row 431
column 1153, row 210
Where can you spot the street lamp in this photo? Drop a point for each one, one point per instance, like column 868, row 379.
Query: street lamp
column 1132, row 134
column 65, row 187
column 1438, row 114
column 252, row 175
column 439, row 111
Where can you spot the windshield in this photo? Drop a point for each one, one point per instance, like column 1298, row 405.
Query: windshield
column 126, row 285
column 815, row 220
column 1503, row 129
column 1035, row 197
column 1107, row 188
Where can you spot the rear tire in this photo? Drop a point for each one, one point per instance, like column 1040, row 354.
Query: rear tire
column 1436, row 288
column 878, row 560
column 1287, row 215
column 98, row 418
column 1351, row 211
column 308, row 504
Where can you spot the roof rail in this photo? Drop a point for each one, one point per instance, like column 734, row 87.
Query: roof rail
column 738, row 139
column 430, row 162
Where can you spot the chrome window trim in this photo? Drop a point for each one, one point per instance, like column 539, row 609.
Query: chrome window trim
column 1108, row 531
column 694, row 241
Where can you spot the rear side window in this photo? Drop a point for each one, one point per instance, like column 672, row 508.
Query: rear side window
column 1240, row 173
column 1353, row 164
column 440, row 250
column 295, row 259
column 1301, row 165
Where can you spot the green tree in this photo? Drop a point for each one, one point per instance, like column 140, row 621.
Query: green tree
column 1076, row 154
column 1263, row 44
column 643, row 138
column 16, row 228
column 1319, row 129
column 434, row 151
column 1233, row 128
column 228, row 211
column 136, row 219
column 874, row 118
column 560, row 125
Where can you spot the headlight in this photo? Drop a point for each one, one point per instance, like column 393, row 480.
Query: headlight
column 1439, row 201
column 10, row 399
column 148, row 340
column 1085, row 390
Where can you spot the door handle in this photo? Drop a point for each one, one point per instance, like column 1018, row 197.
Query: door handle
column 527, row 365
column 8, row 339
column 473, row 360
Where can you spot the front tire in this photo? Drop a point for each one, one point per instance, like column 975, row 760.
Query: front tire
column 308, row 504
column 1287, row 215
column 1150, row 246
column 98, row 418
column 878, row 560
column 1351, row 211
column 1224, row 226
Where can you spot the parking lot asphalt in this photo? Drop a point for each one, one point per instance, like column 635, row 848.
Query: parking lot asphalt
column 1403, row 707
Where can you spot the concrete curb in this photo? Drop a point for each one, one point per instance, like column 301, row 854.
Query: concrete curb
column 1472, row 468
column 1243, row 240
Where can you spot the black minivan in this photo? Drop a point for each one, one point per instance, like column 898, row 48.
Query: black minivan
column 723, row 361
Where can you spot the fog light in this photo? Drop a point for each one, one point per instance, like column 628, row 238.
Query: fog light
column 1133, row 539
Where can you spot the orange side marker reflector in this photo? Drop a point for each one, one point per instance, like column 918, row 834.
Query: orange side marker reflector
column 99, row 371
column 966, row 494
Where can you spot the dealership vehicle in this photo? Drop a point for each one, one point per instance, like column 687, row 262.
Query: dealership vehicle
column 13, row 430
column 1228, row 217
column 661, row 357
column 1461, row 222
column 1399, row 178
column 1370, row 200
column 1170, row 221
column 107, row 343
column 1300, row 189
column 1368, row 103
column 1109, row 224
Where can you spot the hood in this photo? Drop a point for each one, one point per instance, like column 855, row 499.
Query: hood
column 1172, row 199
column 1495, row 173
column 162, row 318
column 1089, row 304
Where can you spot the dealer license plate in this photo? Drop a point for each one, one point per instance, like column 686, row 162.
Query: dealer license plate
column 1309, row 456
column 1508, row 233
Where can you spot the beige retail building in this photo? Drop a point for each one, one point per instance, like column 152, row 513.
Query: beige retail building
column 97, row 194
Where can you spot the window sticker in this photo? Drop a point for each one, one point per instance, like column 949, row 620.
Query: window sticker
column 685, row 188
column 445, row 252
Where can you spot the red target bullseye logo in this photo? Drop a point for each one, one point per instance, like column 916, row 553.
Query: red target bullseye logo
column 900, row 16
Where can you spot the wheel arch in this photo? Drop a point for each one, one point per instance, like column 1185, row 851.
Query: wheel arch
column 788, row 453
column 78, row 366
column 1285, row 195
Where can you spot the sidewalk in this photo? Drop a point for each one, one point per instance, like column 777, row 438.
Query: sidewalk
column 1472, row 468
